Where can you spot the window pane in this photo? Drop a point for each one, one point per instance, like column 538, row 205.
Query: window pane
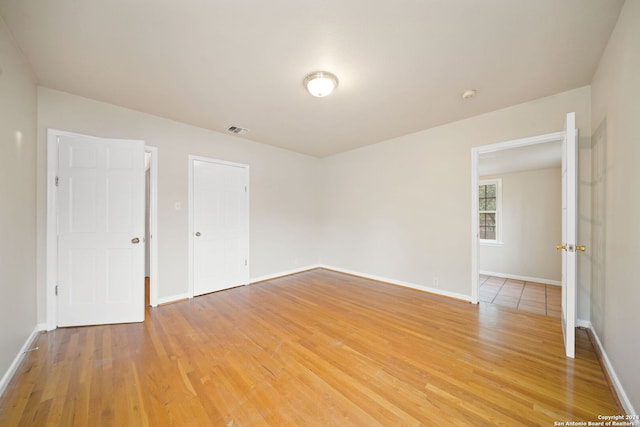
column 483, row 232
column 490, row 204
column 488, row 207
column 487, row 226
column 490, row 233
column 488, row 219
column 487, row 197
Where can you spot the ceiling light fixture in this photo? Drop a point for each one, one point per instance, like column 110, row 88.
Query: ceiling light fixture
column 320, row 83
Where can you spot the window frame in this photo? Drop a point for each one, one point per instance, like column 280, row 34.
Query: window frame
column 498, row 212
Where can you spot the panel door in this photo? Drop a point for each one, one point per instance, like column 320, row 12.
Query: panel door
column 100, row 194
column 221, row 226
column 569, row 212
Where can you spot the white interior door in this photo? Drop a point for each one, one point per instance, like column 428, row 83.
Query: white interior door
column 100, row 194
column 569, row 202
column 220, row 226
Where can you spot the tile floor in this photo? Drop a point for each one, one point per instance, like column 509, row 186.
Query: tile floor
column 525, row 296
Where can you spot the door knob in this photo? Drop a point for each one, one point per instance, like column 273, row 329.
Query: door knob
column 559, row 246
column 135, row 240
column 197, row 234
column 581, row 248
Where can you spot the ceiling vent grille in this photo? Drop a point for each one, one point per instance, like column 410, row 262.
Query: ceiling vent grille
column 237, row 130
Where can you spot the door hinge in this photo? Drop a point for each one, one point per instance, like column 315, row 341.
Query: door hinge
column 245, row 188
column 56, row 181
column 245, row 262
column 57, row 287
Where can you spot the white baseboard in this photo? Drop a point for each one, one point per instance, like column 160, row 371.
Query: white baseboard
column 179, row 297
column 173, row 298
column 622, row 395
column 583, row 324
column 283, row 273
column 6, row 378
column 400, row 283
column 523, row 278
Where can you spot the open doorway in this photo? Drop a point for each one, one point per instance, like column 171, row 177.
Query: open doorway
column 567, row 245
column 520, row 204
column 491, row 166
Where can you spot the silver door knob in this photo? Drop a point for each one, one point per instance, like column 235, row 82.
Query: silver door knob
column 135, row 240
column 197, row 234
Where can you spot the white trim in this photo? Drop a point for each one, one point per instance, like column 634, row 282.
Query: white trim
column 173, row 298
column 51, row 232
column 400, row 283
column 246, row 167
column 491, row 243
column 622, row 395
column 475, row 227
column 283, row 273
column 475, row 158
column 190, row 160
column 581, row 323
column 8, row 375
column 523, row 278
column 154, row 278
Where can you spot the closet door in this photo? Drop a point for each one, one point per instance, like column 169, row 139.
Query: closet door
column 220, row 226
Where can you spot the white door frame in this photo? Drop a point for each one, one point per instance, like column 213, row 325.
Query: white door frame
column 153, row 226
column 475, row 158
column 51, row 269
column 192, row 158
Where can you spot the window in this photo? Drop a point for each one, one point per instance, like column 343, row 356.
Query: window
column 489, row 207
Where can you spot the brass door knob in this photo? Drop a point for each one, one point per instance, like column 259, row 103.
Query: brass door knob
column 560, row 246
column 581, row 248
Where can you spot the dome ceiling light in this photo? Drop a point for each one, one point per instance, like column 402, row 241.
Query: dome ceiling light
column 320, row 83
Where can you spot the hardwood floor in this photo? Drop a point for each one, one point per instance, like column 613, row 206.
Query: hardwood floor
column 316, row 348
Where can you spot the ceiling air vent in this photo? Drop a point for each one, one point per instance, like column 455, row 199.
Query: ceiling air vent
column 237, row 130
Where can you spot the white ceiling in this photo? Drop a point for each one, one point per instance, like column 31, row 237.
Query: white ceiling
column 402, row 65
column 528, row 157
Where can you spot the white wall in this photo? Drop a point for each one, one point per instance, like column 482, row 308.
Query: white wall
column 17, row 196
column 616, row 200
column 531, row 226
column 401, row 208
column 283, row 185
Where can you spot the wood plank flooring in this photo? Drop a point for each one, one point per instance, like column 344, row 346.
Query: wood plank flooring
column 316, row 348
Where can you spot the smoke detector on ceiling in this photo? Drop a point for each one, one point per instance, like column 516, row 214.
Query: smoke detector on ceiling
column 468, row 94
column 237, row 130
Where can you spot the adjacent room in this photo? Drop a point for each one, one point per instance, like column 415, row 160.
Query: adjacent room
column 520, row 195
column 338, row 213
